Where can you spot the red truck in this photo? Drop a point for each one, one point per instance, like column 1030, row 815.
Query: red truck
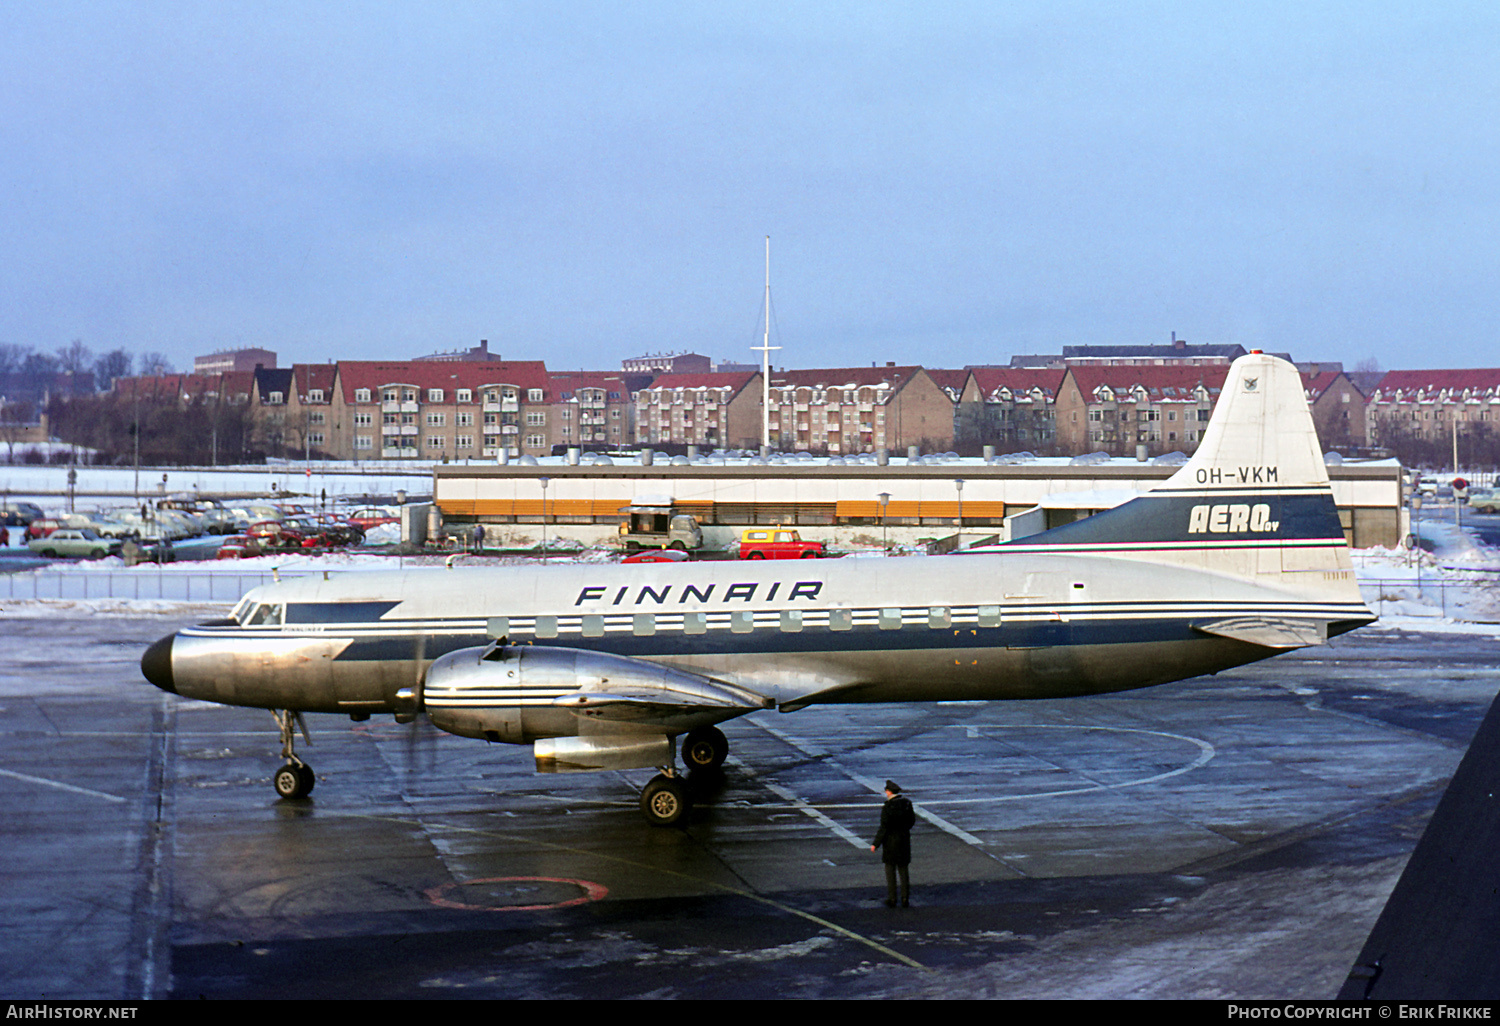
column 777, row 543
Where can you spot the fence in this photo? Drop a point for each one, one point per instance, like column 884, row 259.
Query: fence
column 175, row 587
column 1469, row 599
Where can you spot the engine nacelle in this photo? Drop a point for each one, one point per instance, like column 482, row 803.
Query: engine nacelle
column 522, row 693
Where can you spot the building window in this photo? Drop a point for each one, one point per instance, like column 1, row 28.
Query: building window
column 536, row 419
column 361, row 395
column 314, row 395
column 363, row 442
column 463, row 419
column 435, row 441
column 437, row 419
column 534, row 395
column 463, row 442
column 275, row 399
column 434, row 395
column 315, row 417
column 390, row 395
column 363, row 419
column 464, row 396
column 315, row 438
column 535, row 441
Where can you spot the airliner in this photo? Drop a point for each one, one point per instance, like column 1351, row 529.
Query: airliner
column 1238, row 556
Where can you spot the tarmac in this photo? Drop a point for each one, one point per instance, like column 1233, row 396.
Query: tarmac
column 1233, row 836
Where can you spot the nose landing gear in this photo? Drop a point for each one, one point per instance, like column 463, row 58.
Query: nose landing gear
column 295, row 779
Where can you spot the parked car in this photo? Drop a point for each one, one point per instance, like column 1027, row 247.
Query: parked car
column 18, row 514
column 1484, row 500
column 238, row 546
column 373, row 516
column 777, row 543
column 74, row 541
column 658, row 556
column 40, row 527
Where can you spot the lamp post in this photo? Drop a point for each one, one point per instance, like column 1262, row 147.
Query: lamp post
column 958, row 483
column 885, row 498
column 545, row 481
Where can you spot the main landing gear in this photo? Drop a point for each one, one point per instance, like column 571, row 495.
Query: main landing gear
column 667, row 797
column 295, row 779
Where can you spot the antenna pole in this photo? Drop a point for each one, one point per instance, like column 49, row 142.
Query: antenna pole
column 765, row 364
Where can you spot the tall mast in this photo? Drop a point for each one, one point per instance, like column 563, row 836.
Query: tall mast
column 765, row 364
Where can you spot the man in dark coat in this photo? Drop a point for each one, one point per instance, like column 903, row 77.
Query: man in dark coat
column 896, row 820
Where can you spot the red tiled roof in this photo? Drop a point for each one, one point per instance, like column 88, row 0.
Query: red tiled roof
column 1183, row 379
column 1407, row 383
column 425, row 374
column 315, row 375
column 844, row 377
column 1018, row 379
column 735, row 381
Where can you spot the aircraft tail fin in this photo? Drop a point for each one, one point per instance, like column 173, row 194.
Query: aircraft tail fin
column 1253, row 501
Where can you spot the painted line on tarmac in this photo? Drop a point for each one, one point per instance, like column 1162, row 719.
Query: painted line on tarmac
column 60, row 786
column 807, row 810
column 842, row 931
column 874, row 786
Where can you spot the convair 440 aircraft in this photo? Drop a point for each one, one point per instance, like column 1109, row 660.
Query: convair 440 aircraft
column 1237, row 557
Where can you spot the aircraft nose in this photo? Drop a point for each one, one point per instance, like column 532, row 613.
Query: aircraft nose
column 156, row 664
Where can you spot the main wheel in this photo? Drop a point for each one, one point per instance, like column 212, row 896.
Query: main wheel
column 756, row 555
column 664, row 801
column 293, row 781
column 704, row 748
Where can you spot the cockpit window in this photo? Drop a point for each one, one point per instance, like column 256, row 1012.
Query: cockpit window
column 265, row 614
column 241, row 610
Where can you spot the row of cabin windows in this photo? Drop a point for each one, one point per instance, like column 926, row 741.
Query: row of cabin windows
column 791, row 621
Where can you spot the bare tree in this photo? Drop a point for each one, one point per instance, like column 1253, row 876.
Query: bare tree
column 152, row 364
column 113, row 364
column 75, row 357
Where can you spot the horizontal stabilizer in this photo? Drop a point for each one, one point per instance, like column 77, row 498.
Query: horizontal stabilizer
column 1268, row 631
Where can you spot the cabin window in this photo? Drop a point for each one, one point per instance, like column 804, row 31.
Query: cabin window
column 939, row 618
column 841, row 619
column 644, row 625
column 742, row 621
column 695, row 623
column 989, row 616
column 890, row 619
column 497, row 627
column 546, row 626
column 593, row 626
column 791, row 621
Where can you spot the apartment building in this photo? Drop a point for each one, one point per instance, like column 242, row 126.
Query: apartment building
column 1416, row 414
column 846, row 410
column 434, row 410
column 1114, row 409
column 1013, row 409
column 712, row 410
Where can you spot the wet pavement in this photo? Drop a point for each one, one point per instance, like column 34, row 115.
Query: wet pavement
column 1230, row 836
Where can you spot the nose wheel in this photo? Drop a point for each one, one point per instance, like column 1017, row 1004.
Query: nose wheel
column 295, row 778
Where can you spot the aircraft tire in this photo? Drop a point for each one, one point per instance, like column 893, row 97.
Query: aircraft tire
column 308, row 779
column 664, row 801
column 293, row 781
column 704, row 748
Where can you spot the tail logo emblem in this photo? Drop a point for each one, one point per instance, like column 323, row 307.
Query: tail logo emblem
column 1251, row 384
column 1231, row 518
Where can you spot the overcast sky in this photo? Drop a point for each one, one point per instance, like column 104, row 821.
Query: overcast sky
column 583, row 182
